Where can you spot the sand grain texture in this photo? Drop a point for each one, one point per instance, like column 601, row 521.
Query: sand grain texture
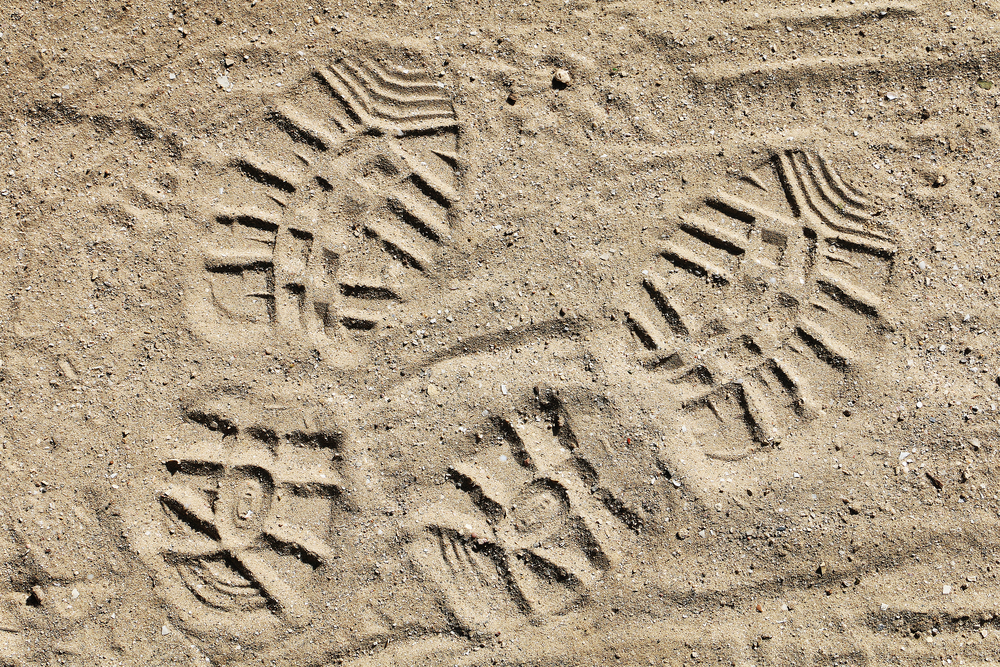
column 499, row 334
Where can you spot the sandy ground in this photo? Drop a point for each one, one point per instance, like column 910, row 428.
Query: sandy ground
column 541, row 333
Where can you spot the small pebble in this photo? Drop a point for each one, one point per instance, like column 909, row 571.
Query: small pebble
column 946, row 590
column 165, row 631
column 561, row 79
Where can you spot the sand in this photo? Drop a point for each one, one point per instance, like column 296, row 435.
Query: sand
column 543, row 333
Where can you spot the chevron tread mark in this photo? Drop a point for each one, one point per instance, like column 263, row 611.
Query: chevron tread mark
column 816, row 262
column 355, row 150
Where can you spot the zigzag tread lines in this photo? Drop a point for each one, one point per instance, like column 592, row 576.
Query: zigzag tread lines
column 790, row 183
column 384, row 111
column 347, row 121
column 444, row 551
column 354, row 108
column 848, row 228
column 812, row 185
column 416, row 81
column 810, row 191
column 375, row 86
column 821, row 179
column 844, row 190
column 808, row 186
column 357, row 92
